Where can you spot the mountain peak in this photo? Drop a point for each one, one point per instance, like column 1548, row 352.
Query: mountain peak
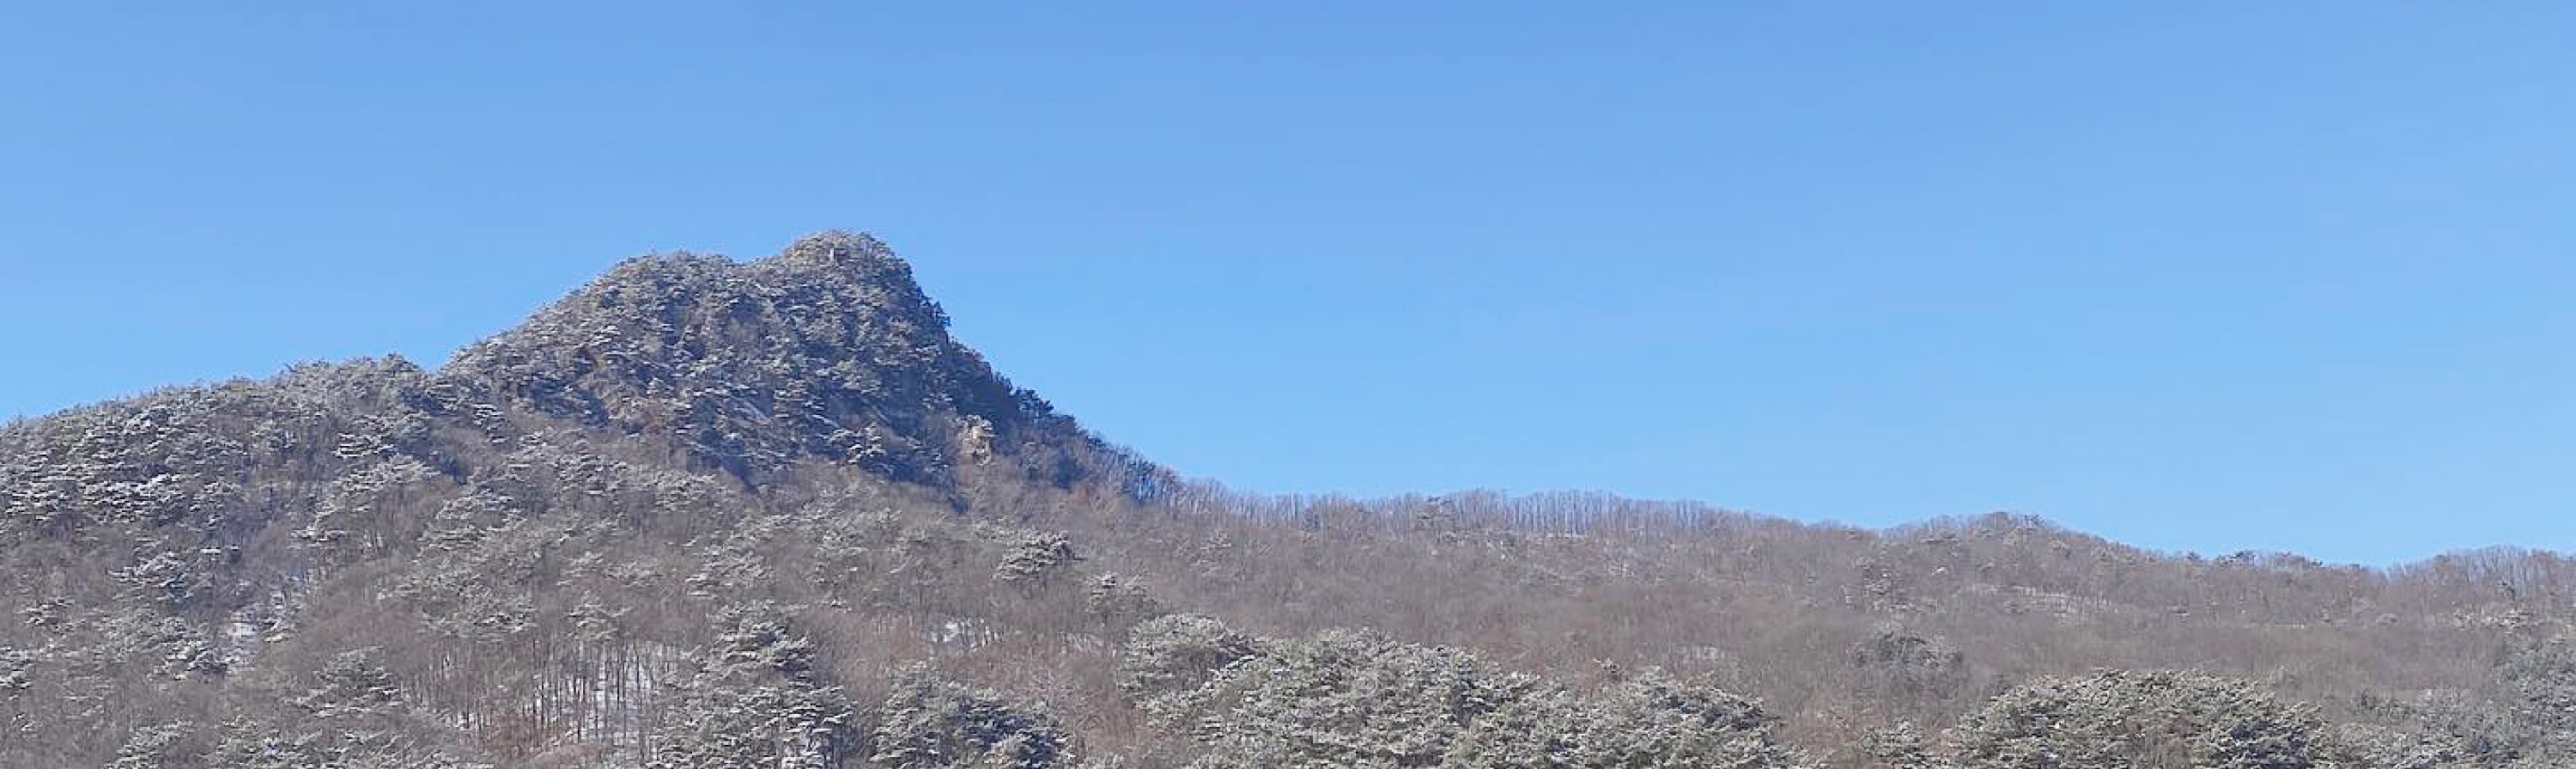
column 828, row 350
column 841, row 250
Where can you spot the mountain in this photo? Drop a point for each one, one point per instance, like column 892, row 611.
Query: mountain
column 708, row 513
column 825, row 352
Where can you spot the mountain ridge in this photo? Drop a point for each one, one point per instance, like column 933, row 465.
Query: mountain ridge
column 697, row 494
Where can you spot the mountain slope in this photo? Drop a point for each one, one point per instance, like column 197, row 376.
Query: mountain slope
column 709, row 513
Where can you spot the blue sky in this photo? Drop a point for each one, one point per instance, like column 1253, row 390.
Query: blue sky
column 2192, row 275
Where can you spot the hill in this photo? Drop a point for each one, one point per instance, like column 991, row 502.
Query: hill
column 708, row 513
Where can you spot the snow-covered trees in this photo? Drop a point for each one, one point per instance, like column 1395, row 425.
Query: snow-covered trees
column 2370, row 746
column 1898, row 664
column 1167, row 659
column 352, row 685
column 1033, row 556
column 1359, row 699
column 155, row 746
column 2542, row 678
column 753, row 698
column 1644, row 721
column 352, row 713
column 930, row 722
column 1900, row 745
column 2114, row 719
column 1343, row 699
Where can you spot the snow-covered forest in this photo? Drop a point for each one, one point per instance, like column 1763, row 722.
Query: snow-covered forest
column 708, row 513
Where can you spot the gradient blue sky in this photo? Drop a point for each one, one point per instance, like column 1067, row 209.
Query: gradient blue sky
column 2192, row 275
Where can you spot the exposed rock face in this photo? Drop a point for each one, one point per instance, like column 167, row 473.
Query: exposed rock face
column 828, row 350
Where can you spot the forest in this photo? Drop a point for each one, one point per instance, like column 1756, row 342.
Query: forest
column 730, row 514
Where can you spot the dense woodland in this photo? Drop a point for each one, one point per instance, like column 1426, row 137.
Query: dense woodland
column 704, row 513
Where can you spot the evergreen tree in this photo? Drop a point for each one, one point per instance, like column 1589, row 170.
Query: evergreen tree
column 2116, row 719
column 930, row 722
column 1639, row 722
column 755, row 701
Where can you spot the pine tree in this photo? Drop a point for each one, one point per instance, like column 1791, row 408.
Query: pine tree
column 755, row 701
column 930, row 722
column 2115, row 719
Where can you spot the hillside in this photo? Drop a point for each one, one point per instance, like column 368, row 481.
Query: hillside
column 709, row 513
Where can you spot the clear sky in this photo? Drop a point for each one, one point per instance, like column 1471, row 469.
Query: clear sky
column 2192, row 275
